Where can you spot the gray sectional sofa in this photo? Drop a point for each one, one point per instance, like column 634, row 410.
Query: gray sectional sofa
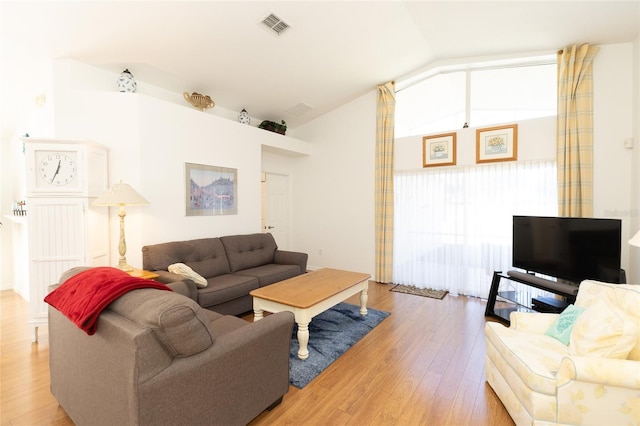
column 158, row 358
column 232, row 266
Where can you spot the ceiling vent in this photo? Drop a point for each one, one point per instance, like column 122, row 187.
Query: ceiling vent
column 299, row 109
column 275, row 24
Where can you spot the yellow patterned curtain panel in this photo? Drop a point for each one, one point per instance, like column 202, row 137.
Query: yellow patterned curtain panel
column 575, row 131
column 384, row 181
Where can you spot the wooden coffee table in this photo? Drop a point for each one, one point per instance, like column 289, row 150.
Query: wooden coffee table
column 308, row 295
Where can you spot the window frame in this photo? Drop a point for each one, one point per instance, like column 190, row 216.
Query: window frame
column 468, row 68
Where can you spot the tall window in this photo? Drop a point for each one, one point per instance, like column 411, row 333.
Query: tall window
column 479, row 95
column 512, row 94
column 435, row 104
column 453, row 225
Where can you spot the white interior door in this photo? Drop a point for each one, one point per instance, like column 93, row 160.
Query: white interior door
column 276, row 207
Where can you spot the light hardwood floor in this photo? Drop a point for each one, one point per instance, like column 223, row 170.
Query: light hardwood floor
column 423, row 365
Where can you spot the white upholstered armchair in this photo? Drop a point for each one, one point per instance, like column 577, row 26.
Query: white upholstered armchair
column 592, row 380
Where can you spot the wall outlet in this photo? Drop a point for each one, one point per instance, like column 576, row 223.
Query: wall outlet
column 628, row 143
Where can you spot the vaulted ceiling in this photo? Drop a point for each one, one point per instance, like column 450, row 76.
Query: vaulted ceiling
column 331, row 53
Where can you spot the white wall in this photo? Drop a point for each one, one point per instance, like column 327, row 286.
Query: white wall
column 613, row 123
column 334, row 188
column 6, row 231
column 38, row 122
column 149, row 141
column 341, row 234
column 633, row 275
column 71, row 74
column 536, row 141
column 13, row 233
column 172, row 136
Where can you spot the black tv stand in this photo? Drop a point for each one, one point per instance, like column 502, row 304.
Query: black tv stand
column 521, row 300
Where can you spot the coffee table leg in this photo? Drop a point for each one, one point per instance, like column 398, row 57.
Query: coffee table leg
column 303, row 339
column 257, row 314
column 363, row 301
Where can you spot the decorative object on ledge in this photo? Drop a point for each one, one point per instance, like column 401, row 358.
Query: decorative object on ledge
column 20, row 208
column 126, row 83
column 272, row 126
column 199, row 101
column 244, row 117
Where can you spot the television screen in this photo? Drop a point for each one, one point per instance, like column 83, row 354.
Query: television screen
column 567, row 248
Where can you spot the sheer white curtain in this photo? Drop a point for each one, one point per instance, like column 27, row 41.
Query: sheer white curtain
column 453, row 225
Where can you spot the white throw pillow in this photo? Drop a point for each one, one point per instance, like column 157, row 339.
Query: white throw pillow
column 603, row 331
column 185, row 271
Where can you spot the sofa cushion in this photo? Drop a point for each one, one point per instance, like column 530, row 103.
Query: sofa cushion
column 224, row 288
column 227, row 324
column 177, row 321
column 187, row 272
column 603, row 331
column 271, row 273
column 622, row 297
column 249, row 251
column 206, row 256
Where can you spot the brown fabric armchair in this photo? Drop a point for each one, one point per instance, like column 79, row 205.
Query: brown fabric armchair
column 158, row 358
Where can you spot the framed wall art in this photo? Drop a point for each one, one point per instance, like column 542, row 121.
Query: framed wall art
column 497, row 144
column 439, row 150
column 210, row 190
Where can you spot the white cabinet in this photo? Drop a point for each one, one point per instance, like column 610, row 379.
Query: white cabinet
column 64, row 230
column 63, row 233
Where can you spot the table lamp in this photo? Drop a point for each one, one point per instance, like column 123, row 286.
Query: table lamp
column 635, row 240
column 121, row 195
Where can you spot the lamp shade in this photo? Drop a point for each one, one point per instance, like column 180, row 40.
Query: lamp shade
column 635, row 240
column 120, row 194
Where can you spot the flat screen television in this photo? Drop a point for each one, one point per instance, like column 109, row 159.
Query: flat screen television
column 567, row 248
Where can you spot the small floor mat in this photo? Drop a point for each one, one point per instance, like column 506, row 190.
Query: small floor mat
column 426, row 292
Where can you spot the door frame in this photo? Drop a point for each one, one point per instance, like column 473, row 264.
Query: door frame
column 264, row 176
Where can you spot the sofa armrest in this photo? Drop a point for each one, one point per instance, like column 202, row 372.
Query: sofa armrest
column 246, row 370
column 178, row 283
column 532, row 322
column 284, row 257
column 167, row 277
column 186, row 288
column 265, row 335
column 597, row 391
column 602, row 371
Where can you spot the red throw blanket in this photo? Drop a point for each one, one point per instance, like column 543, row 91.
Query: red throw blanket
column 83, row 297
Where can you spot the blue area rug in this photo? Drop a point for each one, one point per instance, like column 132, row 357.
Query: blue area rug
column 330, row 335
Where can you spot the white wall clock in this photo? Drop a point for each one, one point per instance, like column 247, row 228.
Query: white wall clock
column 56, row 168
column 74, row 168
